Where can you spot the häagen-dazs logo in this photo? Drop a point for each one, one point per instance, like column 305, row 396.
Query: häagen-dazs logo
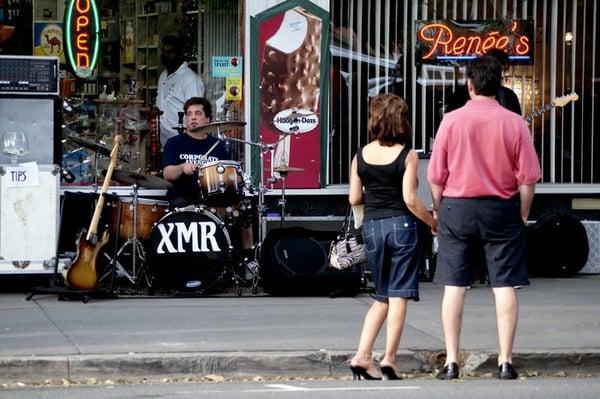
column 296, row 121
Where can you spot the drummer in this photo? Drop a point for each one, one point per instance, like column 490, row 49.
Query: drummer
column 185, row 153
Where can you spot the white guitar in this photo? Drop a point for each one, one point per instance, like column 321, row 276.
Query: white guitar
column 557, row 102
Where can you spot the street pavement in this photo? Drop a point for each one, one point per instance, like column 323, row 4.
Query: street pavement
column 257, row 335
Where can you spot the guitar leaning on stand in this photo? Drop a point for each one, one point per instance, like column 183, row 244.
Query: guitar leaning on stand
column 82, row 274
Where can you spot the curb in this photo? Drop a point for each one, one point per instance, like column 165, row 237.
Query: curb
column 321, row 363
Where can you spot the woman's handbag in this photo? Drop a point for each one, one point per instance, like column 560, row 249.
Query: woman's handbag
column 347, row 249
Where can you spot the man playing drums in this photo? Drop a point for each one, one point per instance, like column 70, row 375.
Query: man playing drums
column 185, row 153
column 191, row 164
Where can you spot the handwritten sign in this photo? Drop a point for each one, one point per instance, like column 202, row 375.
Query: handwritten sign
column 21, row 175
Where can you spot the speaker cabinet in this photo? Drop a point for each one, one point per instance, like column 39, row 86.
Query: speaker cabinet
column 295, row 261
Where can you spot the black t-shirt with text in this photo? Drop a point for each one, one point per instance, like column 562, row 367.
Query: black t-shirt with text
column 184, row 148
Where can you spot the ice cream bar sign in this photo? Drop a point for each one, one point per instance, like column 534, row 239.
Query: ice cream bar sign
column 226, row 67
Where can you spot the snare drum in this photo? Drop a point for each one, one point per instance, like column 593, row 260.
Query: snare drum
column 148, row 212
column 188, row 250
column 221, row 183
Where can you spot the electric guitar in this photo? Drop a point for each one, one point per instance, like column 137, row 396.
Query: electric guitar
column 82, row 273
column 557, row 102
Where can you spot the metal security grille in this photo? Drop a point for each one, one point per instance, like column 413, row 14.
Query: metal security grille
column 373, row 52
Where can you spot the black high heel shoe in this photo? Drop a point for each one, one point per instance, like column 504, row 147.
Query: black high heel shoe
column 359, row 372
column 388, row 373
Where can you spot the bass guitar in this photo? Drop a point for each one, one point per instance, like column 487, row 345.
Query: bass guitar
column 557, row 102
column 82, row 273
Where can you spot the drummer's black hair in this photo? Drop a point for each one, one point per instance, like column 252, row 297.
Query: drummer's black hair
column 199, row 101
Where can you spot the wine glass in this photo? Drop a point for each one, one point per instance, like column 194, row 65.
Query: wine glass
column 15, row 145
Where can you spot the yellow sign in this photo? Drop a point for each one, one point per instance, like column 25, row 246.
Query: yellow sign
column 233, row 88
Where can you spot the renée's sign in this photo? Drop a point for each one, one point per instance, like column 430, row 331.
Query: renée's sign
column 82, row 25
column 447, row 41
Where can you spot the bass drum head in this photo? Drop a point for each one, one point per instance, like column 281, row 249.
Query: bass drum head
column 187, row 251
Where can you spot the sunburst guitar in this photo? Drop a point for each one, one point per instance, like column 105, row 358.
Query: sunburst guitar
column 82, row 274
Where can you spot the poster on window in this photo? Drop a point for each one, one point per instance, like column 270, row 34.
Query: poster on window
column 290, row 47
column 48, row 40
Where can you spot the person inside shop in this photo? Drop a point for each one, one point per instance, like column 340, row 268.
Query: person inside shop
column 176, row 84
column 184, row 154
column 505, row 96
column 482, row 175
column 384, row 177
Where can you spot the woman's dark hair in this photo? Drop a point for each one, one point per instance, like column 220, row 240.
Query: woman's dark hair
column 199, row 101
column 388, row 120
column 485, row 73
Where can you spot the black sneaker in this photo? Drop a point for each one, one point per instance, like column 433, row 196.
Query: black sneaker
column 507, row 372
column 448, row 372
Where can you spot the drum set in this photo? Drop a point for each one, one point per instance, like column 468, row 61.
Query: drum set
column 196, row 249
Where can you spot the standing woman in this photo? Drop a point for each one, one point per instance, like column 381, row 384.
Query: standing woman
column 384, row 178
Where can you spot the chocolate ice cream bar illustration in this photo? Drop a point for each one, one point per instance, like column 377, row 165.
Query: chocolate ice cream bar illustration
column 290, row 74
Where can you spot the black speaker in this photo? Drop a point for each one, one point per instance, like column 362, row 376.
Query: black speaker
column 295, row 261
column 557, row 246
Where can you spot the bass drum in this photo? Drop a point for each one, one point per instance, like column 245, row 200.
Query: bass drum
column 187, row 251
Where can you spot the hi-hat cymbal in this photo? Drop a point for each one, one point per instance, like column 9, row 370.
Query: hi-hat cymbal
column 286, row 169
column 96, row 147
column 142, row 180
column 218, row 126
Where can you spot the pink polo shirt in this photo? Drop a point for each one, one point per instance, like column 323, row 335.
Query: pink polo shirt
column 483, row 149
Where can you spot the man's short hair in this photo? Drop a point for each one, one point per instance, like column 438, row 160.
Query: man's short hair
column 173, row 41
column 199, row 101
column 501, row 56
column 485, row 73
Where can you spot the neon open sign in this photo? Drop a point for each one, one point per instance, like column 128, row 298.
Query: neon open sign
column 441, row 42
column 82, row 26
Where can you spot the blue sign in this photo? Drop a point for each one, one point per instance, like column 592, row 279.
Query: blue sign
column 226, row 67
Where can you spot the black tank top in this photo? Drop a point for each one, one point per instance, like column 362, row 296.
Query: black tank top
column 383, row 186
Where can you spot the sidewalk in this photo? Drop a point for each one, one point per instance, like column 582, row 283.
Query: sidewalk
column 135, row 337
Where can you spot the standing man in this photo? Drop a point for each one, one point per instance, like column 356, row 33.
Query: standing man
column 505, row 96
column 482, row 174
column 176, row 84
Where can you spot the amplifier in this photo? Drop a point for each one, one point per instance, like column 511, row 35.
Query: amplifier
column 592, row 228
column 29, row 75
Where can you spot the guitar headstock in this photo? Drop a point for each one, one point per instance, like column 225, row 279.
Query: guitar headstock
column 564, row 100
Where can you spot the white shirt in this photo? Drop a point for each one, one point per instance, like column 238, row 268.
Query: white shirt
column 173, row 91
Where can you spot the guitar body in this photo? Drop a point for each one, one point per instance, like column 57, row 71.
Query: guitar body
column 82, row 274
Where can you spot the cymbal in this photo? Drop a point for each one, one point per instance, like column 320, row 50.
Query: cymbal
column 286, row 169
column 96, row 147
column 296, row 114
column 218, row 126
column 142, row 180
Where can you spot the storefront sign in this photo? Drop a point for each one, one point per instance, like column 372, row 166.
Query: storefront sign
column 443, row 42
column 224, row 67
column 289, row 82
column 233, row 88
column 82, row 26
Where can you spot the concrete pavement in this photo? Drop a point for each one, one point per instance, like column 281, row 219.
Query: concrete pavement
column 151, row 337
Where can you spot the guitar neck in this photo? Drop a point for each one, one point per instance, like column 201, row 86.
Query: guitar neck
column 93, row 229
column 538, row 112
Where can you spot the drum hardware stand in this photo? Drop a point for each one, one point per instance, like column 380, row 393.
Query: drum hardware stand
column 137, row 249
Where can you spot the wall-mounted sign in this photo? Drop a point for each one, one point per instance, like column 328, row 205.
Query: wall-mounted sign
column 449, row 42
column 233, row 88
column 82, row 40
column 224, row 67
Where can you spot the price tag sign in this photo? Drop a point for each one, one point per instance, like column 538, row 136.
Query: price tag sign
column 21, row 175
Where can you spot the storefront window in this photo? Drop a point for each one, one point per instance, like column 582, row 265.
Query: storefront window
column 373, row 51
